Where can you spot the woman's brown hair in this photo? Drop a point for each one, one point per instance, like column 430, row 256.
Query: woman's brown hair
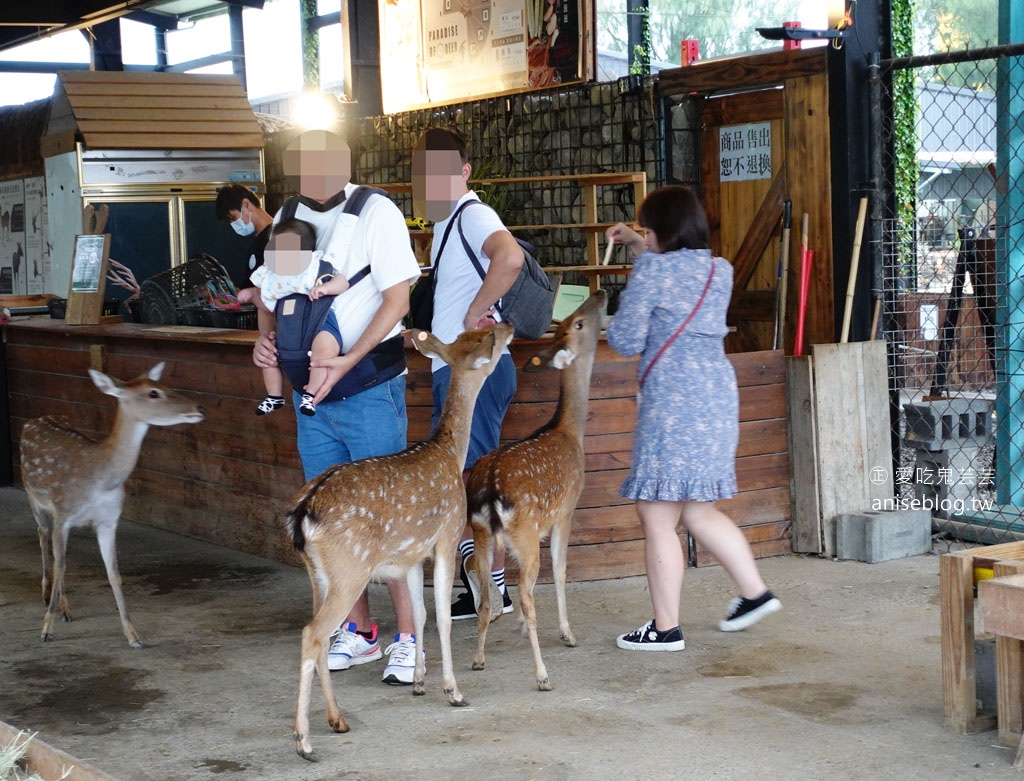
column 676, row 217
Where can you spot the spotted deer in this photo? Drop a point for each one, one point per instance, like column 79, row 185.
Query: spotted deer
column 74, row 480
column 523, row 491
column 381, row 517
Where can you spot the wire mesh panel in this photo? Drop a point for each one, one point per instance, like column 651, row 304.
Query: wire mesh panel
column 574, row 130
column 949, row 247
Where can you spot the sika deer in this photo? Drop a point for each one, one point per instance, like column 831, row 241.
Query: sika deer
column 73, row 480
column 381, row 517
column 523, row 491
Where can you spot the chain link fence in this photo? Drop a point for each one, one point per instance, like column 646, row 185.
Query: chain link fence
column 948, row 238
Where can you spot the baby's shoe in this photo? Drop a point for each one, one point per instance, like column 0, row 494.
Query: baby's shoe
column 306, row 406
column 270, row 404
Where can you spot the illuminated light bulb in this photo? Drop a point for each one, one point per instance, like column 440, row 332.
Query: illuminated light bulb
column 314, row 111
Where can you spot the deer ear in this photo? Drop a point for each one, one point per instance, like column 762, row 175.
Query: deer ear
column 106, row 384
column 156, row 371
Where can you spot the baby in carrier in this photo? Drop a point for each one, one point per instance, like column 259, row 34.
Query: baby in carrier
column 293, row 266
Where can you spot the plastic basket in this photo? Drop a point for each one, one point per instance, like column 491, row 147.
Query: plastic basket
column 189, row 285
column 209, row 317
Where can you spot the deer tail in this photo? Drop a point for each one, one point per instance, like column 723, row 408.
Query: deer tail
column 301, row 511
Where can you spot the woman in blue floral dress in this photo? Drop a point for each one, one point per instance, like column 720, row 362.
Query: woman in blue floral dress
column 684, row 450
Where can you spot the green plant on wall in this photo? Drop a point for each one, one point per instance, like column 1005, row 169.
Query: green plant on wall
column 641, row 65
column 905, row 141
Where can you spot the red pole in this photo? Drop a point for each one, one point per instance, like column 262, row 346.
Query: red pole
column 806, row 261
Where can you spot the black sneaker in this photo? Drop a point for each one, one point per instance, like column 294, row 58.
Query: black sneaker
column 506, row 602
column 648, row 638
column 743, row 612
column 463, row 607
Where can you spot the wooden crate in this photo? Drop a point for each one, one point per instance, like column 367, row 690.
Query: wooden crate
column 959, row 685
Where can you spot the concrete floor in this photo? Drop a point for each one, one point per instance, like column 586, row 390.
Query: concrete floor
column 843, row 684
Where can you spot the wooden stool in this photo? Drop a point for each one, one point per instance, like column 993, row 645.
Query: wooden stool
column 959, row 689
column 1002, row 614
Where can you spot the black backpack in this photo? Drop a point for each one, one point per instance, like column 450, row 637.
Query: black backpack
column 299, row 320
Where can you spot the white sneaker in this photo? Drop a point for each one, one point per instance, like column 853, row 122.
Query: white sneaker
column 401, row 667
column 350, row 648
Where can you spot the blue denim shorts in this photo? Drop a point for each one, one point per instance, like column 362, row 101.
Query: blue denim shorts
column 371, row 423
column 491, row 406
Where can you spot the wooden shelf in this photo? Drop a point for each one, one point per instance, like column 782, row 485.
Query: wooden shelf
column 610, row 270
column 589, row 225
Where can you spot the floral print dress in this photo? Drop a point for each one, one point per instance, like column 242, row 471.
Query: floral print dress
column 688, row 409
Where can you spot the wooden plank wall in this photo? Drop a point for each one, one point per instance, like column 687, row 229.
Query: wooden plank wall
column 228, row 479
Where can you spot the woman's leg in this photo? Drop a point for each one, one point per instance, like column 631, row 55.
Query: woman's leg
column 663, row 558
column 716, row 532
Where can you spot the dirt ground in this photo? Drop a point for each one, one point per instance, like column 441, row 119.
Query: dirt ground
column 843, row 684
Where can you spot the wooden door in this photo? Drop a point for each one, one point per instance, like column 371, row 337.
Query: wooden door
column 744, row 134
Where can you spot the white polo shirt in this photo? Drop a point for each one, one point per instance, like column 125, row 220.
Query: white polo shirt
column 457, row 279
column 378, row 238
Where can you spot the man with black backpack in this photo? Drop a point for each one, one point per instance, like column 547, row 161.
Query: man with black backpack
column 361, row 404
column 475, row 262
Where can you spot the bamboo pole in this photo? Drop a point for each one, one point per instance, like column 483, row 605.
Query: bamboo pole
column 854, row 263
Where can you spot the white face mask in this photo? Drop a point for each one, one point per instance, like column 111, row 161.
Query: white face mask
column 243, row 228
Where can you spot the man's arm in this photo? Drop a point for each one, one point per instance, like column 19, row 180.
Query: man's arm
column 506, row 261
column 392, row 309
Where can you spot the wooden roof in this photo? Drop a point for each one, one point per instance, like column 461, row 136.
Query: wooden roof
column 143, row 110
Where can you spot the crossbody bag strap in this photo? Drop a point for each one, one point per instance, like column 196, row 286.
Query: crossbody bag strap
column 686, row 322
column 469, row 250
column 444, row 239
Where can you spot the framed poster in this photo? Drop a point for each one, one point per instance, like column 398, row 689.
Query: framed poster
column 446, row 51
column 88, row 279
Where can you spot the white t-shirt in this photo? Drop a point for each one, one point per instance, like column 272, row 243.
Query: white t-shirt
column 457, row 279
column 378, row 238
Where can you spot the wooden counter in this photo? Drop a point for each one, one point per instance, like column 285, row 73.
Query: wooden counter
column 228, row 479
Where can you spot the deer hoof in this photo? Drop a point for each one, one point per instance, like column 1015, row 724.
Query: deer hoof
column 136, row 643
column 478, row 665
column 303, row 749
column 66, row 618
column 568, row 640
column 339, row 726
column 419, row 688
column 544, row 685
column 456, row 702
column 46, row 637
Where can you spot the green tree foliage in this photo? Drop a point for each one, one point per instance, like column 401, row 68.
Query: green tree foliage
column 955, row 25
column 722, row 26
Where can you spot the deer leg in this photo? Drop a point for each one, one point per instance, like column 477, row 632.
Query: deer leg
column 483, row 545
column 529, row 567
column 315, row 637
column 559, row 549
column 444, row 574
column 414, row 582
column 58, row 602
column 47, row 552
column 106, row 534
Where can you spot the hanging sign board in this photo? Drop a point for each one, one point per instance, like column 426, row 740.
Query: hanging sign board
column 745, row 152
column 446, row 51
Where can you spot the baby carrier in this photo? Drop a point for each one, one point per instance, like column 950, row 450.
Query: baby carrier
column 299, row 320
